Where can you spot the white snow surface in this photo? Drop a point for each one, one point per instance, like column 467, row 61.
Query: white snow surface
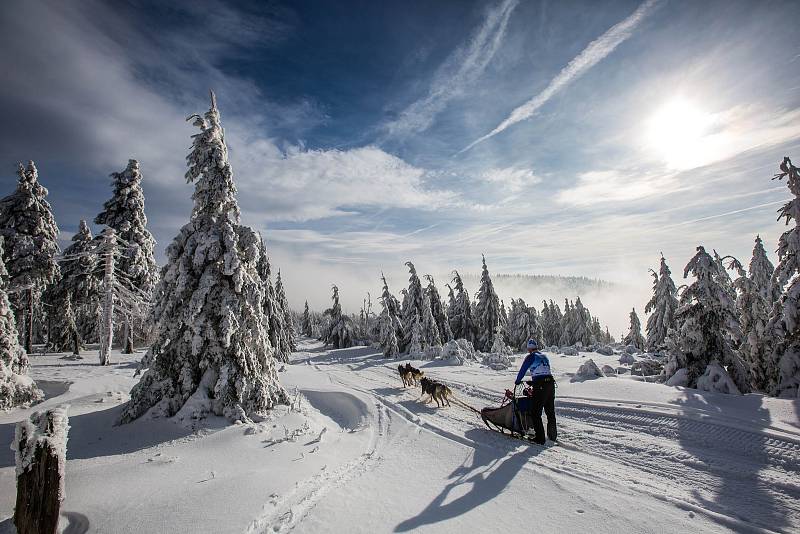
column 356, row 452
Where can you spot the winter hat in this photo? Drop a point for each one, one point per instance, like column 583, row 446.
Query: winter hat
column 532, row 344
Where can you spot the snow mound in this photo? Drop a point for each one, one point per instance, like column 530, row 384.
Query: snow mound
column 469, row 350
column 605, row 350
column 497, row 361
column 717, row 380
column 433, row 352
column 627, row 358
column 453, row 354
column 587, row 371
column 680, row 378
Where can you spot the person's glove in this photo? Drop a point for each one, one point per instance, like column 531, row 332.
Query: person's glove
column 509, row 394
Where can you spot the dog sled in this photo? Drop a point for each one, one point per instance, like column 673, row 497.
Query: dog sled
column 515, row 415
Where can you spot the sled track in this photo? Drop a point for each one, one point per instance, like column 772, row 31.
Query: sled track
column 690, row 433
column 283, row 514
column 748, row 476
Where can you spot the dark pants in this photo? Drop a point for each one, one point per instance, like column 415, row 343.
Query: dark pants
column 544, row 397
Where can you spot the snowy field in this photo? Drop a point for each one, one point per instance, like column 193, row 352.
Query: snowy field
column 358, row 453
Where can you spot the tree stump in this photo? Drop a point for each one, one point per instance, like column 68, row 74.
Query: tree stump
column 41, row 449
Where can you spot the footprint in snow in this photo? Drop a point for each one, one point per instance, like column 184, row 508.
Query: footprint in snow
column 579, row 511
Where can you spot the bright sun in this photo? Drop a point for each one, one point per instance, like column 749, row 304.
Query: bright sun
column 676, row 133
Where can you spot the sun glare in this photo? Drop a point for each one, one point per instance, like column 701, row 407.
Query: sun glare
column 676, row 133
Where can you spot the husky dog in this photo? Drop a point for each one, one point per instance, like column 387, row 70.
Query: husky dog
column 409, row 375
column 436, row 391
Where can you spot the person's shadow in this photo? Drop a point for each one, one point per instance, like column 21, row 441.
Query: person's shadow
column 733, row 459
column 487, row 475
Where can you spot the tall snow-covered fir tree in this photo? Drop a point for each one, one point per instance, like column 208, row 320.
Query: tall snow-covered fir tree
column 754, row 302
column 784, row 321
column 341, row 330
column 305, row 327
column 68, row 336
column 430, row 330
column 438, row 310
column 661, row 308
column 211, row 352
column 16, row 388
column 523, row 324
column 124, row 212
column 634, row 336
column 462, row 322
column 288, row 343
column 391, row 324
column 271, row 305
column 551, row 322
column 80, row 284
column 582, row 324
column 706, row 325
column 412, row 305
column 487, row 311
column 30, row 233
column 567, row 325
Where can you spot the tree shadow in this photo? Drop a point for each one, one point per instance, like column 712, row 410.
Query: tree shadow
column 487, row 476
column 94, row 435
column 735, row 458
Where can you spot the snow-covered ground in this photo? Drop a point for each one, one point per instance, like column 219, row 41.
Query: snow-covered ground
column 358, row 453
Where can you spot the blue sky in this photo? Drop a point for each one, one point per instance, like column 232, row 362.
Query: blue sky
column 606, row 132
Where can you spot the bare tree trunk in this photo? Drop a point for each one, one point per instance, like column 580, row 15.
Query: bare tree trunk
column 29, row 323
column 39, row 484
column 127, row 336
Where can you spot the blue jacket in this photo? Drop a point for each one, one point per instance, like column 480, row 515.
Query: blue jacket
column 538, row 364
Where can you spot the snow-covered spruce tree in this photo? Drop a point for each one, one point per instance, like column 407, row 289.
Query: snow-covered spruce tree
column 598, row 335
column 519, row 324
column 567, row 325
column 706, row 325
column 389, row 325
column 288, row 343
column 124, row 212
column 754, row 292
column 536, row 330
column 438, row 310
column 305, row 327
column 68, row 336
column 341, row 331
column 390, row 319
column 271, row 305
column 80, row 285
column 784, row 321
column 487, row 311
column 30, row 232
column 661, row 308
column 211, row 352
column 430, row 331
column 460, row 313
column 16, row 388
column 415, row 348
column 412, row 305
column 582, row 324
column 634, row 336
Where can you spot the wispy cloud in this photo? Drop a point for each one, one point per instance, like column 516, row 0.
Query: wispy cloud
column 460, row 69
column 513, row 179
column 589, row 57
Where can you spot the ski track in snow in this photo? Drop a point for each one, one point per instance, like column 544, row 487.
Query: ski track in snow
column 743, row 479
column 285, row 513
